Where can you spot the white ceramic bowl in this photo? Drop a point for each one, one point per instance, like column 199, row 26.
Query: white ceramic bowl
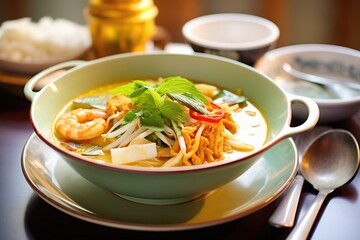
column 28, row 47
column 241, row 37
column 33, row 67
column 320, row 60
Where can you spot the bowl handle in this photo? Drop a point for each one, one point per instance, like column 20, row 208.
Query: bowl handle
column 49, row 73
column 311, row 120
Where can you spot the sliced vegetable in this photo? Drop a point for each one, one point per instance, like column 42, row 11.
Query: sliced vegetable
column 214, row 116
column 133, row 153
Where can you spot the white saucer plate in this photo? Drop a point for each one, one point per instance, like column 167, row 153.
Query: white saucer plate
column 60, row 186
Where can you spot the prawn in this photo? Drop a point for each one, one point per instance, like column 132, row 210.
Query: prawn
column 81, row 124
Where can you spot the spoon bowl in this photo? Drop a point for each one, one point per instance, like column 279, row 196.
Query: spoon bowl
column 329, row 162
column 336, row 165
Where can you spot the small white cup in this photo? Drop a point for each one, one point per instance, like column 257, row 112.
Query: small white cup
column 242, row 37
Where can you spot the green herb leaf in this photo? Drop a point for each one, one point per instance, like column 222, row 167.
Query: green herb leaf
column 152, row 106
column 179, row 85
column 98, row 102
column 138, row 92
column 150, row 97
column 130, row 88
column 93, row 150
column 152, row 120
column 73, row 146
column 176, row 128
column 126, row 89
column 140, row 88
column 190, row 101
column 130, row 116
column 153, row 138
column 228, row 97
column 172, row 111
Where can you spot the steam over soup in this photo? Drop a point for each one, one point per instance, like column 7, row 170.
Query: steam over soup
column 161, row 123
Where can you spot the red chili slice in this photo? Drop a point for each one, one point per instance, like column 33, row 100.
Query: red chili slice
column 215, row 116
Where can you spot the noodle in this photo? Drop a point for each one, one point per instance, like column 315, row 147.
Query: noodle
column 175, row 161
column 204, row 143
column 186, row 139
column 192, row 144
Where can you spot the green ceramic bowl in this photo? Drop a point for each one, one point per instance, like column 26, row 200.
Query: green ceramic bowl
column 171, row 185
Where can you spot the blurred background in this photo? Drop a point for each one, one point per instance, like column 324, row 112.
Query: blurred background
column 306, row 21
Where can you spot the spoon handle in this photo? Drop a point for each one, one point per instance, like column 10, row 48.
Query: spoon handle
column 284, row 215
column 301, row 231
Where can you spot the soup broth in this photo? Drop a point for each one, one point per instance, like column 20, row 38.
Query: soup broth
column 154, row 124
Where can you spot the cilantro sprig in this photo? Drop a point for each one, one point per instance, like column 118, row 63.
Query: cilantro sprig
column 159, row 103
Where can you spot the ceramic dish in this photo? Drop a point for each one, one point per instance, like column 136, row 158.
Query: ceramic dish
column 241, row 37
column 164, row 185
column 14, row 75
column 60, row 186
column 337, row 102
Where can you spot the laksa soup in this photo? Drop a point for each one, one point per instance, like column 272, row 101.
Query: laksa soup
column 165, row 122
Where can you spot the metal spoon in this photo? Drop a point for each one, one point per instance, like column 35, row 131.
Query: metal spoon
column 284, row 214
column 320, row 80
column 328, row 163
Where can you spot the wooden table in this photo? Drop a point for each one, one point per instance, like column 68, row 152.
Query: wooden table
column 24, row 215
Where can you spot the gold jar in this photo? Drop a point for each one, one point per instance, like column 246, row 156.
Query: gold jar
column 119, row 26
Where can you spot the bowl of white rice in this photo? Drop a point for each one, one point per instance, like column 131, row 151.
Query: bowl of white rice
column 29, row 47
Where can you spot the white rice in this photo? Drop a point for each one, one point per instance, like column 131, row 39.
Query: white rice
column 22, row 40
